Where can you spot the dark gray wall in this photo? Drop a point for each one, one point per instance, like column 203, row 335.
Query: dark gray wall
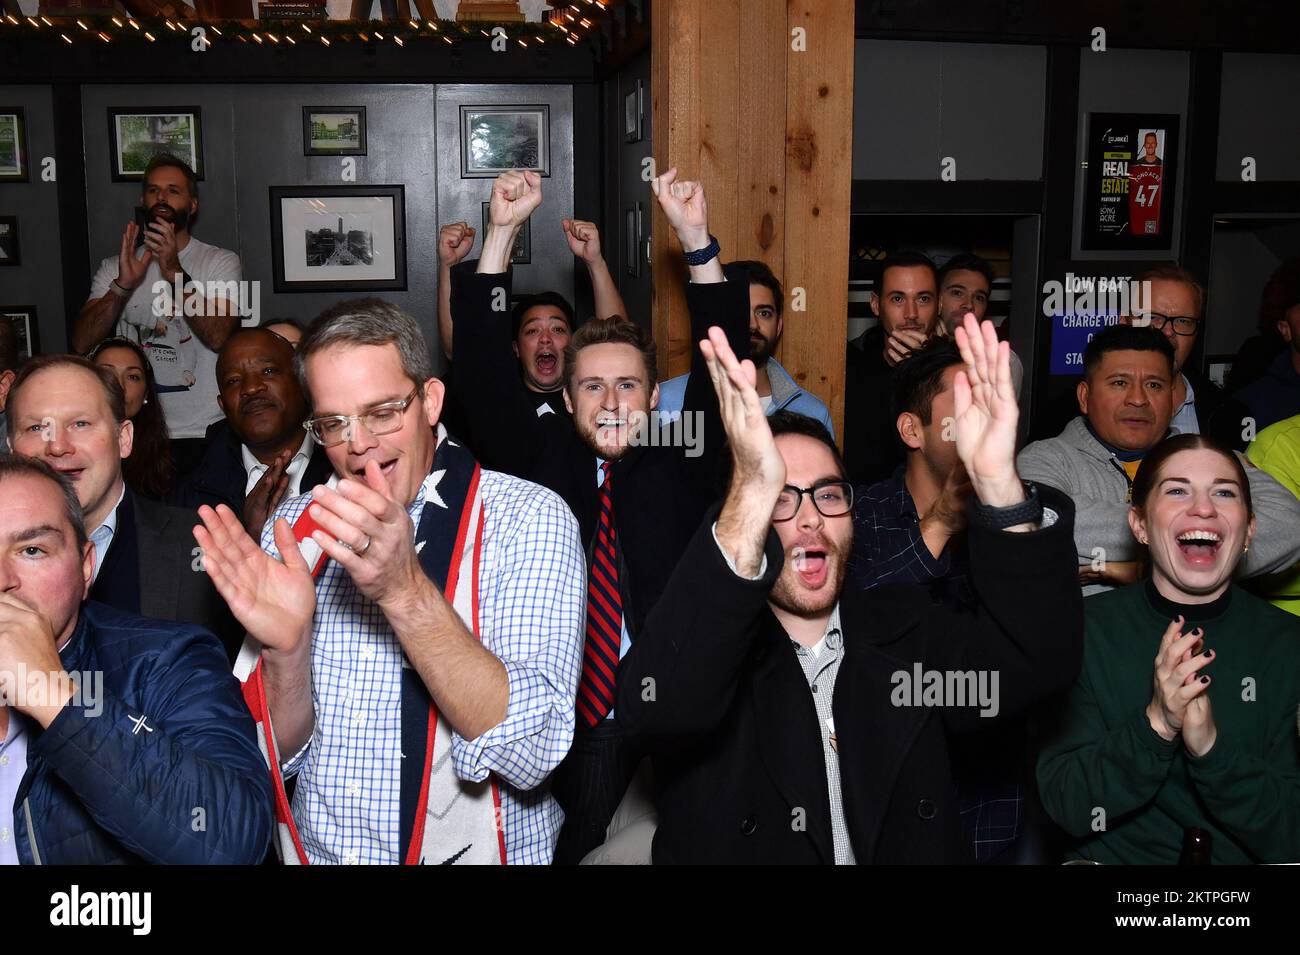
column 1258, row 116
column 626, row 187
column 1241, row 262
column 915, row 103
column 552, row 262
column 1132, row 81
column 39, row 280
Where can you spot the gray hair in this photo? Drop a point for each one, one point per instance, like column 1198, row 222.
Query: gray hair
column 15, row 465
column 366, row 321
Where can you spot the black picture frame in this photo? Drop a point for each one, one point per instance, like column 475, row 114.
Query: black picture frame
column 308, row 112
column 1109, row 216
column 542, row 163
column 11, row 252
column 194, row 157
column 21, row 155
column 394, row 236
column 634, row 114
column 522, row 252
column 23, row 317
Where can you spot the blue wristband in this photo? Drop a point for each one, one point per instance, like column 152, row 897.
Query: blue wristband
column 706, row 254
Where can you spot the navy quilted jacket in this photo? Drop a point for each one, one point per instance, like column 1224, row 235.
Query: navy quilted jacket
column 186, row 785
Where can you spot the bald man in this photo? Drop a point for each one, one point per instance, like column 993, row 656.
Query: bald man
column 265, row 455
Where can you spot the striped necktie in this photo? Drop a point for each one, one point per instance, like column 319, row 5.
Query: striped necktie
column 604, row 617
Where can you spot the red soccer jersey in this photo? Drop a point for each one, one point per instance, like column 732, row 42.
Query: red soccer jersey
column 1146, row 184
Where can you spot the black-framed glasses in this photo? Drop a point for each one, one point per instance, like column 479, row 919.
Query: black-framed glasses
column 334, row 429
column 1183, row 324
column 831, row 498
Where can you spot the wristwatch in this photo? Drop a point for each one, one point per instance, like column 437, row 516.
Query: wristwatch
column 118, row 290
column 700, row 256
column 1028, row 511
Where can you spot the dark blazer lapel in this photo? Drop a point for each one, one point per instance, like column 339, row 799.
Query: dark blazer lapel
column 789, row 738
column 873, row 734
column 160, row 577
column 318, row 469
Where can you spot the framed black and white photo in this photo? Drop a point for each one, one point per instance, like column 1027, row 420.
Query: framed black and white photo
column 633, row 111
column 135, row 136
column 13, row 144
column 522, row 252
column 334, row 130
column 338, row 238
column 497, row 139
column 10, row 252
column 23, row 319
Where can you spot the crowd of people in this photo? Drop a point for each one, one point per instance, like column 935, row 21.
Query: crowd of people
column 299, row 598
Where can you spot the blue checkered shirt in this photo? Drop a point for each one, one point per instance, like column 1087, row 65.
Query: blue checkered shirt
column 532, row 582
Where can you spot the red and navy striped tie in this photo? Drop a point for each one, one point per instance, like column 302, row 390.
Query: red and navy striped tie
column 604, row 617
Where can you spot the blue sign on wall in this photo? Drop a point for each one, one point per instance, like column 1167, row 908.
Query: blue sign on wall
column 1070, row 334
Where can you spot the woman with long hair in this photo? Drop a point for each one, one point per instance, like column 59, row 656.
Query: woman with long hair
column 1147, row 758
column 148, row 470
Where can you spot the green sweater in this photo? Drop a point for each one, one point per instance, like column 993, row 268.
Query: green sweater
column 1101, row 753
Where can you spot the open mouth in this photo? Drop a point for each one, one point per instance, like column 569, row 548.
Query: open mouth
column 811, row 565
column 546, row 363
column 385, row 467
column 1200, row 547
column 163, row 212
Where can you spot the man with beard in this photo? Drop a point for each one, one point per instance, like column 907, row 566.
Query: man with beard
column 784, row 726
column 965, row 283
column 181, row 338
column 907, row 304
column 265, row 456
column 638, row 492
column 776, row 389
column 1126, row 404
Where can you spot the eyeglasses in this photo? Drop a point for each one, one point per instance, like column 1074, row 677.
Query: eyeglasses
column 1183, row 324
column 831, row 498
column 381, row 419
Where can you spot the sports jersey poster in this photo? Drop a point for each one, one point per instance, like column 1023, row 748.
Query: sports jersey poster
column 1129, row 193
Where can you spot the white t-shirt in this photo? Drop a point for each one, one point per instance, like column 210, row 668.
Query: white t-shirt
column 184, row 368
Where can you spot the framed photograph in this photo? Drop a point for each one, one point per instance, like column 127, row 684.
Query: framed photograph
column 522, row 253
column 23, row 319
column 334, row 130
column 338, row 238
column 10, row 253
column 13, row 144
column 135, row 136
column 633, row 113
column 632, row 226
column 497, row 139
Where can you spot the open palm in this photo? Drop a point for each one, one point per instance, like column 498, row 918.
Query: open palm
column 273, row 600
column 985, row 412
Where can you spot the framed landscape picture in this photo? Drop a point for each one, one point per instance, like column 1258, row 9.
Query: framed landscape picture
column 497, row 139
column 23, row 319
column 338, row 238
column 13, row 145
column 334, row 130
column 522, row 253
column 10, row 253
column 135, row 136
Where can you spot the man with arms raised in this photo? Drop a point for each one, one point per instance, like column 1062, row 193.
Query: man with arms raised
column 778, row 727
column 416, row 607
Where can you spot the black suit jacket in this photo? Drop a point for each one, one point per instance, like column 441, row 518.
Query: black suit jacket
column 150, row 569
column 659, row 493
column 872, row 448
column 220, row 477
column 733, row 728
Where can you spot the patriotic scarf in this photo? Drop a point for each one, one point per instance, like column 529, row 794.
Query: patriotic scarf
column 443, row 819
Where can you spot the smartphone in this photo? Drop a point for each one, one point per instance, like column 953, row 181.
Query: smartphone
column 142, row 220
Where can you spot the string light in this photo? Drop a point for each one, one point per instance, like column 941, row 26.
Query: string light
column 148, row 36
column 136, row 26
column 398, row 41
column 79, row 23
column 257, row 39
column 65, row 38
column 117, row 23
column 325, row 40
column 215, row 30
column 46, row 22
column 105, row 37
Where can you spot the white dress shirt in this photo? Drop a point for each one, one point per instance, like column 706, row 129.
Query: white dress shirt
column 255, row 468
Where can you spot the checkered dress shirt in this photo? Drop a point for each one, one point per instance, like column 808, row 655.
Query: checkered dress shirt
column 532, row 582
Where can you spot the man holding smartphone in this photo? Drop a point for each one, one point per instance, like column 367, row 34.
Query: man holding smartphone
column 181, row 338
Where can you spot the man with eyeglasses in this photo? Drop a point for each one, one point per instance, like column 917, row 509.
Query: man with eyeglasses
column 788, row 722
column 1176, row 303
column 415, row 623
